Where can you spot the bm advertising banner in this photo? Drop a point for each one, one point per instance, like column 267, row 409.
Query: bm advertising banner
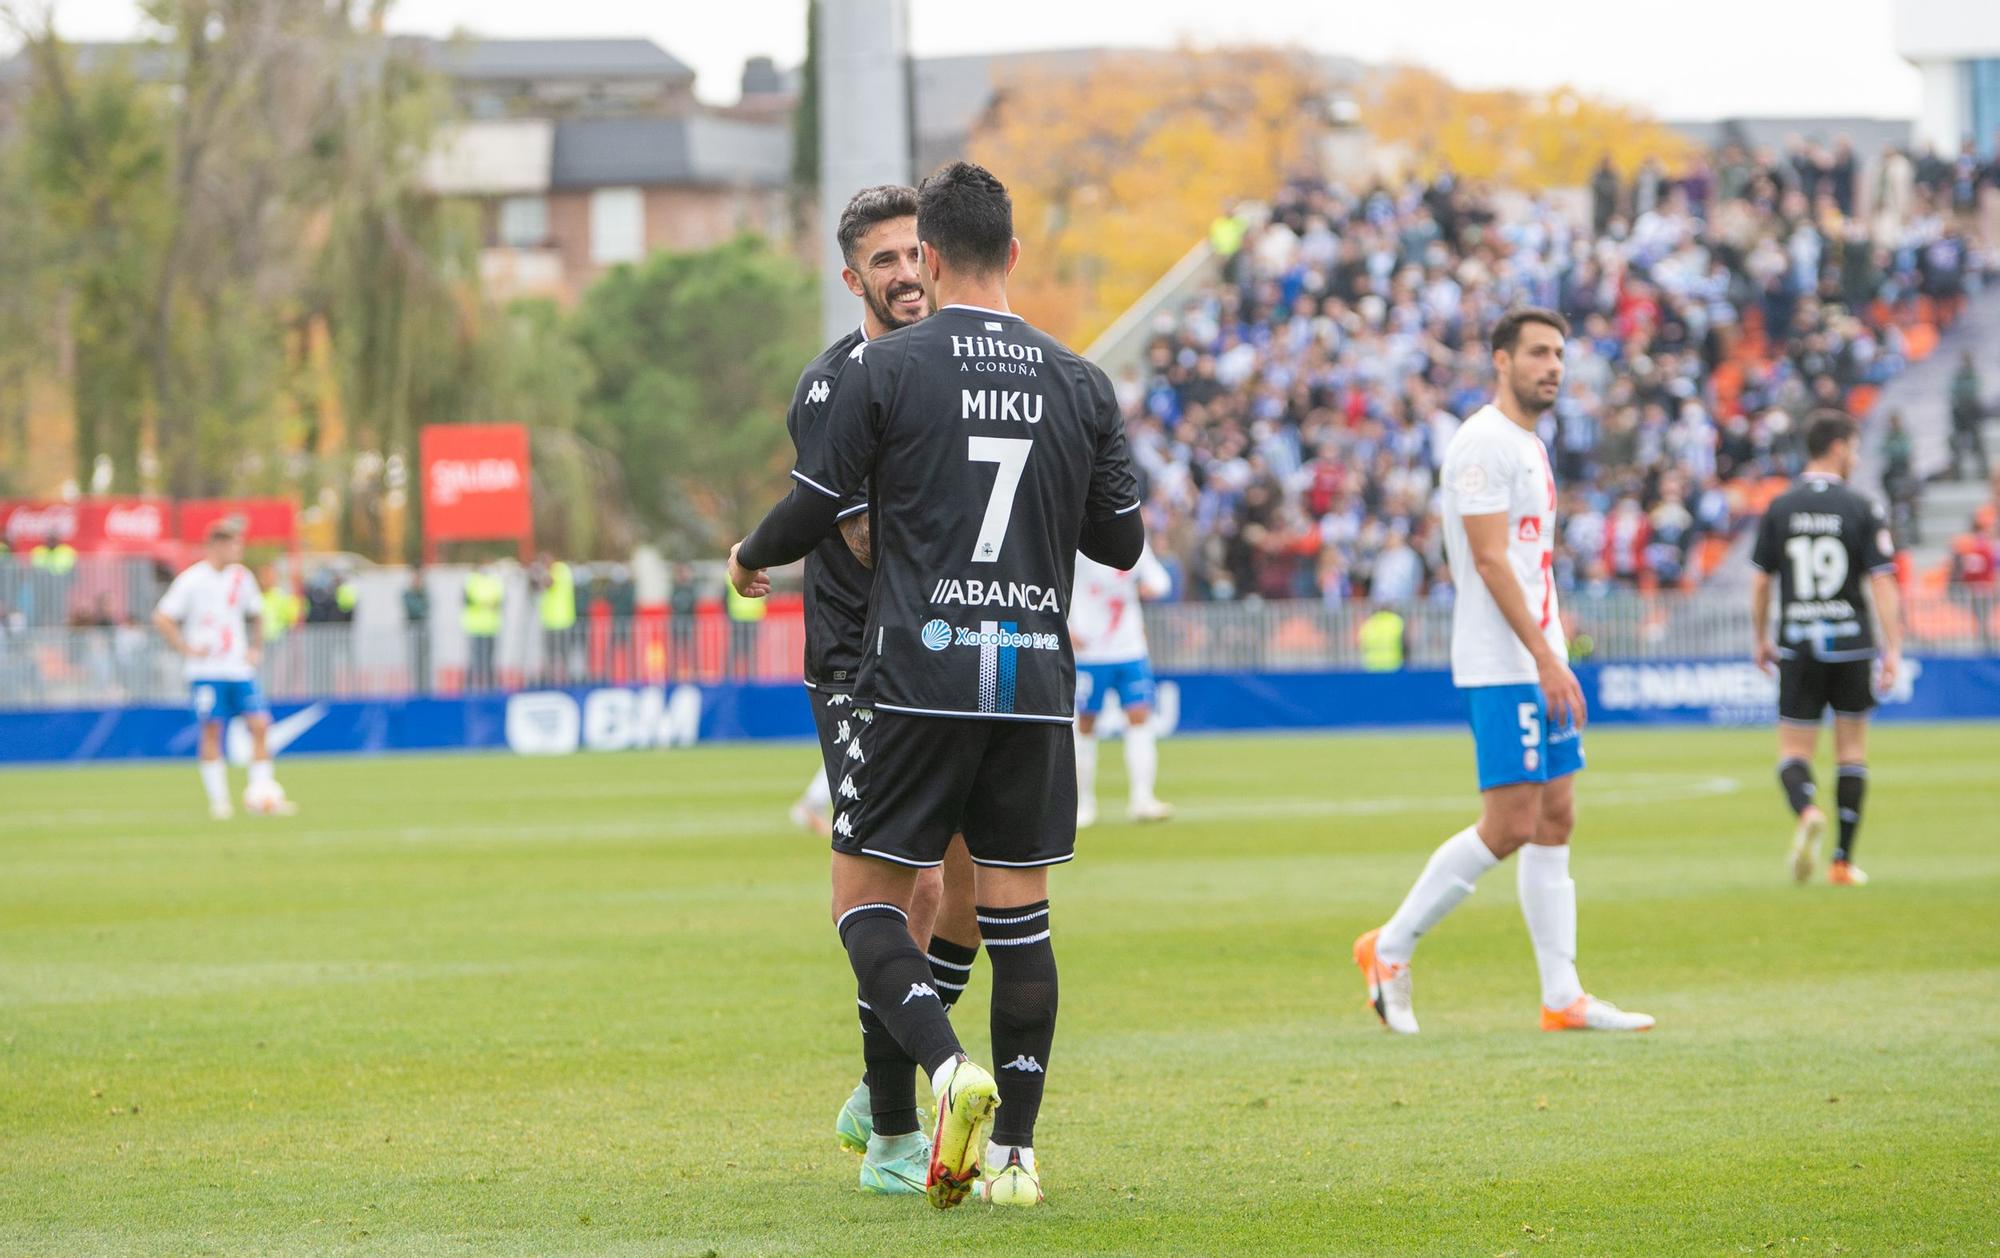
column 617, row 718
column 476, row 482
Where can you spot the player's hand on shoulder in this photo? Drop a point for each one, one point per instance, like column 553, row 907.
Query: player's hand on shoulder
column 1562, row 692
column 750, row 583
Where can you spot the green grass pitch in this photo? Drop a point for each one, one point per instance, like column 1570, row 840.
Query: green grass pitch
column 594, row 1006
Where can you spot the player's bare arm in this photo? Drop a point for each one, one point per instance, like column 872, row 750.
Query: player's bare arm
column 1487, row 535
column 860, row 539
column 171, row 631
column 1761, row 650
column 1889, row 610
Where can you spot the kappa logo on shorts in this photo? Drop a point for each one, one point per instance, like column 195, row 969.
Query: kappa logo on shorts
column 839, row 701
column 922, row 989
column 841, row 732
column 843, row 827
column 1025, row 1064
column 847, row 790
column 854, row 752
column 818, row 392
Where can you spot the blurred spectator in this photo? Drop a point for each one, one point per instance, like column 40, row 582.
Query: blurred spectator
column 682, row 603
column 1289, row 419
column 485, row 600
column 1975, row 553
column 416, row 622
column 555, row 604
column 746, row 618
column 1900, row 484
column 1968, row 420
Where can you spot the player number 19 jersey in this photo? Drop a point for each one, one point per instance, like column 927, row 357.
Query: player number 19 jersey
column 1493, row 465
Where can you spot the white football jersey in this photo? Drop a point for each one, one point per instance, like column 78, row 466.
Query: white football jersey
column 1490, row 466
column 212, row 606
column 1106, row 623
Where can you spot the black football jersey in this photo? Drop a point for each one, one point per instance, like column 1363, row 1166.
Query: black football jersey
column 985, row 445
column 837, row 585
column 1822, row 540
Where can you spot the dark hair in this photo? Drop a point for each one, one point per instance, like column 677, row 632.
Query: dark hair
column 869, row 207
column 1824, row 427
column 1507, row 332
column 965, row 214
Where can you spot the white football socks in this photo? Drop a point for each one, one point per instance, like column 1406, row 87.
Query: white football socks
column 819, row 794
column 215, row 780
column 1142, row 761
column 1548, row 903
column 1447, row 879
column 260, row 773
column 1086, row 766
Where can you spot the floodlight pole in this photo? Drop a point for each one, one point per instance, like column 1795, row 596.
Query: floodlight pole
column 864, row 125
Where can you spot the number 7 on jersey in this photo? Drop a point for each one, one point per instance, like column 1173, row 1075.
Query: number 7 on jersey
column 1011, row 453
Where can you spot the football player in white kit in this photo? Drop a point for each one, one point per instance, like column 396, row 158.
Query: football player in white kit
column 1509, row 656
column 209, row 616
column 1109, row 633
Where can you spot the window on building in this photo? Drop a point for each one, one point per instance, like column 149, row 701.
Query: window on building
column 524, row 222
column 617, row 225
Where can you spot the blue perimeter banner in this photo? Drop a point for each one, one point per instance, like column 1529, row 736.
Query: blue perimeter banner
column 559, row 722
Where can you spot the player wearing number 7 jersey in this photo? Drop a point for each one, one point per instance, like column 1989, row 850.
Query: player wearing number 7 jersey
column 992, row 455
column 1509, row 656
column 1829, row 548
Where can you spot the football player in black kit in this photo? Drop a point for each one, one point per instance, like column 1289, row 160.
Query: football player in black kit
column 877, row 235
column 991, row 454
column 1823, row 542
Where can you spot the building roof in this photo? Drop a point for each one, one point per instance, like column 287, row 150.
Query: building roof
column 147, row 62
column 471, row 60
column 1868, row 135
column 463, row 60
column 609, row 152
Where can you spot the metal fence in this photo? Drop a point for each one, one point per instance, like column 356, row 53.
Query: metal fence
column 50, row 667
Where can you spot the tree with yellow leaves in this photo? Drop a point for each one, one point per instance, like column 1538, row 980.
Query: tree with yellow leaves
column 1117, row 172
column 1534, row 141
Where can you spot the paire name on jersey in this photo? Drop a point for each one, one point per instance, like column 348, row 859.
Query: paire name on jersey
column 955, row 593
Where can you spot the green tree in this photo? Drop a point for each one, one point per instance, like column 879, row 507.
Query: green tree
column 695, row 357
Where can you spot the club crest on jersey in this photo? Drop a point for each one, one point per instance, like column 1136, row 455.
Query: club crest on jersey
column 976, row 593
column 818, row 393
column 1530, row 529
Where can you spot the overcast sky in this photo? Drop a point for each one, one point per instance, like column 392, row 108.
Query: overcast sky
column 1691, row 59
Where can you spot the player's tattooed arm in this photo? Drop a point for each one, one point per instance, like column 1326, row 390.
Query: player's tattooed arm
column 860, row 538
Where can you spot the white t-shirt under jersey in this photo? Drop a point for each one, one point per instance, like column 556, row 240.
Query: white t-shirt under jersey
column 1490, row 466
column 213, row 606
column 1106, row 624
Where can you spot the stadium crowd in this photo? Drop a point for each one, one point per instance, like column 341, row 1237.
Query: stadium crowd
column 1290, row 419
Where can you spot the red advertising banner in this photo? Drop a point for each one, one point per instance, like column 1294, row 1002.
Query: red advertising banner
column 93, row 524
column 264, row 519
column 476, row 483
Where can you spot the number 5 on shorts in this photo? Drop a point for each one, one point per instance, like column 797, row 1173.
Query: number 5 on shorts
column 1531, row 725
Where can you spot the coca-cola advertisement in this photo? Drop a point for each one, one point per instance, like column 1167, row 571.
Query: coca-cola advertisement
column 476, row 482
column 90, row 524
